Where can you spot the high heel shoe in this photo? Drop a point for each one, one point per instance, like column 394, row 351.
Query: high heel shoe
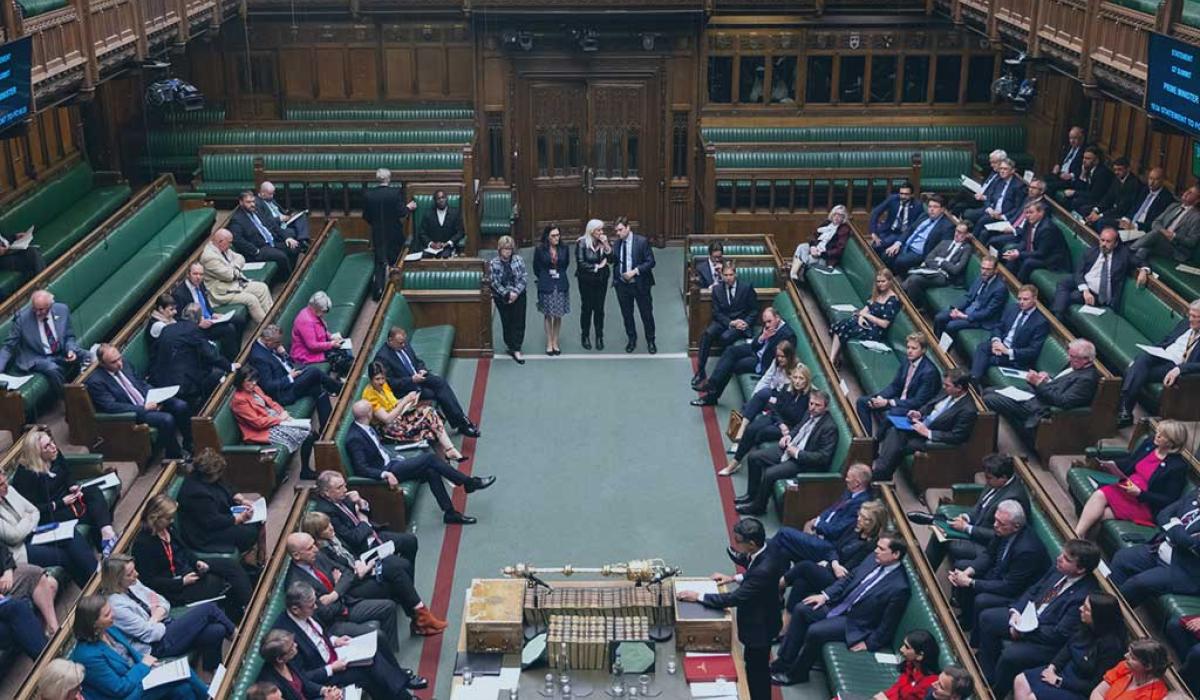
column 730, row 468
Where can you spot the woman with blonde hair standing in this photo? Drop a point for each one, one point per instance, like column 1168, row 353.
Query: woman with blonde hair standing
column 593, row 253
column 509, row 280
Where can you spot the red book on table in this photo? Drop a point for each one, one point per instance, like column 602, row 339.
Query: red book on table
column 706, row 669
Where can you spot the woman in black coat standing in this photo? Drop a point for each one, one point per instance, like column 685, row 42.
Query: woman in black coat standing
column 550, row 262
column 593, row 255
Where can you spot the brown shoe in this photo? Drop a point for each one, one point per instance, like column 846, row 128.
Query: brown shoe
column 426, row 623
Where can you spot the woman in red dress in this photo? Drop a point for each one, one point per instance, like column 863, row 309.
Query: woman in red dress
column 918, row 668
column 1157, row 474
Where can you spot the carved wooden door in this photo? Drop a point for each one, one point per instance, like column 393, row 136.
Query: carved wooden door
column 555, row 156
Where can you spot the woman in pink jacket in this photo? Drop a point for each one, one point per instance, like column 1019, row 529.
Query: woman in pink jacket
column 311, row 340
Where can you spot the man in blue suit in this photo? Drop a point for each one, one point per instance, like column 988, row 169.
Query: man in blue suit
column 1017, row 340
column 1170, row 562
column 369, row 457
column 1010, row 563
column 742, row 358
column 40, row 340
column 116, row 387
column 816, row 542
column 1041, row 245
column 734, row 307
column 894, row 217
column 1100, row 277
column 406, row 372
column 1003, row 651
column 931, row 229
column 916, row 382
column 286, row 383
column 1183, row 342
column 632, row 281
column 1002, row 200
column 980, row 307
column 860, row 610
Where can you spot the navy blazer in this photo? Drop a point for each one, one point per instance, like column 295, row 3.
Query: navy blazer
column 1093, row 189
column 1005, row 569
column 983, row 517
column 743, row 308
column 1185, row 542
column 1076, row 165
column 184, row 357
column 182, row 295
column 704, row 272
column 954, row 425
column 542, row 267
column 943, row 230
column 925, row 384
column 1121, row 196
column 1118, row 269
column 787, row 406
column 1166, row 482
column 641, row 257
column 1161, row 201
column 355, row 534
column 246, row 237
column 1191, row 363
column 308, row 658
column 1029, row 338
column 759, row 608
column 767, row 355
column 841, row 517
column 983, row 305
column 309, row 686
column 874, row 617
column 1059, row 620
column 889, row 209
column 109, row 397
column 1048, row 244
column 272, row 376
column 398, row 376
column 1006, row 200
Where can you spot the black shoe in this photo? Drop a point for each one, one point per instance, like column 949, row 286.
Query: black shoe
column 469, row 430
column 478, row 483
column 1124, row 419
column 599, row 341
column 698, row 380
column 744, row 498
column 513, row 355
column 651, row 347
column 749, row 509
column 585, row 342
column 417, row 683
column 308, row 474
column 782, row 679
column 376, row 294
column 738, row 558
column 703, row 401
column 630, row 346
column 453, row 517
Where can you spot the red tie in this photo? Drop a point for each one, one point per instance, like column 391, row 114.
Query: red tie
column 331, row 652
column 50, row 335
column 324, row 579
column 1029, row 246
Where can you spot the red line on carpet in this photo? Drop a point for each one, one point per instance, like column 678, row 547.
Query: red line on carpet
column 443, row 582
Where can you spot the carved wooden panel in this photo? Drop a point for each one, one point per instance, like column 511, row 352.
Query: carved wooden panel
column 331, row 74
column 1120, row 39
column 58, row 53
column 431, row 70
column 459, row 71
column 296, row 74
column 398, row 65
column 363, row 74
column 114, row 31
column 1062, row 27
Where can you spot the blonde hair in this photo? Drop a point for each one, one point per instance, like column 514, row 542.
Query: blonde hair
column 877, row 518
column 314, row 524
column 31, row 451
column 58, row 679
column 506, row 241
column 112, row 574
column 886, row 274
column 805, row 372
column 589, row 230
column 1175, row 432
column 159, row 512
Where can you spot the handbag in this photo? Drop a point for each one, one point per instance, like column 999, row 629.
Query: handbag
column 340, row 361
column 735, row 424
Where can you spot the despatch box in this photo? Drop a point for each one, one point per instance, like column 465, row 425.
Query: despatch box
column 698, row 628
column 493, row 615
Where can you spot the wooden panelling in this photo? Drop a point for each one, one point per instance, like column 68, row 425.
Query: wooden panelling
column 398, row 67
column 331, row 74
column 431, row 70
column 43, row 150
column 1124, row 130
column 363, row 74
column 460, row 69
column 295, row 74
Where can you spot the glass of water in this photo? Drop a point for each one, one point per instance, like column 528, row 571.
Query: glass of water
column 468, row 675
column 671, row 665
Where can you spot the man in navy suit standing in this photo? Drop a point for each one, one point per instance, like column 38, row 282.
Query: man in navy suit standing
column 860, row 610
column 757, row 601
column 633, row 279
column 116, row 387
column 1017, row 340
column 980, row 307
column 916, row 382
column 406, row 372
column 734, row 307
column 1182, row 342
column 894, row 218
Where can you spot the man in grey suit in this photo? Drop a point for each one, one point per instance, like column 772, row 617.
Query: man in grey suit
column 1074, row 387
column 41, row 340
column 943, row 266
column 809, row 449
column 975, row 526
column 1174, row 234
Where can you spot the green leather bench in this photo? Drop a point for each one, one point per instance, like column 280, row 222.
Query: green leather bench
column 417, row 278
column 32, row 8
column 1185, row 283
column 252, row 662
column 1082, row 482
column 211, row 113
column 940, row 168
column 497, row 216
column 373, row 112
column 109, row 282
column 700, row 250
column 425, row 205
column 861, row 674
column 63, row 210
column 1046, row 280
column 1041, row 524
column 227, row 174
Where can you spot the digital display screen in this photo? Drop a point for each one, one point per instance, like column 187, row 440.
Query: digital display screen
column 16, row 96
column 1173, row 82
column 1196, row 157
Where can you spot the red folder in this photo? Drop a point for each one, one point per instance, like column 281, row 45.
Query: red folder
column 706, row 669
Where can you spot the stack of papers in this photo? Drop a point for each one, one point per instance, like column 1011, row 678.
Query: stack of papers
column 221, row 318
column 1160, row 353
column 971, row 184
column 15, row 383
column 413, row 257
column 825, row 270
column 1012, row 372
column 260, row 511
column 21, row 243
column 292, row 219
column 347, row 344
column 1014, row 393
column 299, row 422
column 945, row 341
column 167, row 672
column 361, row 649
column 1129, row 235
column 848, row 308
column 714, row 691
column 107, row 481
column 997, row 226
column 59, row 531
column 888, row 659
column 254, row 266
column 384, row 550
column 352, row 692
column 703, row 587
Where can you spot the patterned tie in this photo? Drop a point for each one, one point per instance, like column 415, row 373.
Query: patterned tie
column 50, row 335
column 855, row 595
column 135, row 396
column 1105, row 283
column 1054, row 591
column 1191, row 345
column 330, row 651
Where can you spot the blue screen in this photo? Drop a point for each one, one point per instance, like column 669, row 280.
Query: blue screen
column 16, row 98
column 1173, row 82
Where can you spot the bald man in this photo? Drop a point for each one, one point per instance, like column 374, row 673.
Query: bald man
column 192, row 290
column 225, row 280
column 266, row 205
column 40, row 340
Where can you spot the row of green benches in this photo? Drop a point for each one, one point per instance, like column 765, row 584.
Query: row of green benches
column 215, row 112
column 226, row 174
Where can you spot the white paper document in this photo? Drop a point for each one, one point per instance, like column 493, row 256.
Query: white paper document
column 509, row 678
column 1160, row 353
column 1014, row 393
column 873, row 345
column 1012, row 372
column 1188, row 269
column 160, row 394
column 167, row 672
column 945, row 341
column 196, row 603
column 993, row 252
column 971, row 184
column 218, row 676
column 714, row 690
column 347, row 344
column 848, row 308
column 292, row 219
column 352, row 692
column 481, row 688
column 361, row 649
column 1027, row 176
column 107, row 481
column 413, row 257
column 260, row 511
column 825, row 270
column 1103, row 569
column 221, row 318
column 998, row 226
column 384, row 550
column 1028, row 621
column 888, row 659
column 250, row 266
column 1092, row 310
column 701, row 587
column 419, row 445
column 61, row 531
column 299, row 422
column 1130, row 235
column 15, row 383
column 21, row 243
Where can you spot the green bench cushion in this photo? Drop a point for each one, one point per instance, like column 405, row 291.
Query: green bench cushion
column 496, row 218
column 700, row 250
column 417, row 278
column 31, row 8
column 374, row 112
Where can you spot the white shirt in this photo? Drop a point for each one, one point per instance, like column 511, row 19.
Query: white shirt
column 1166, row 549
column 41, row 326
column 805, row 432
column 1070, row 581
column 739, row 577
column 317, row 637
column 1177, row 348
column 1091, row 278
column 954, row 246
column 441, row 215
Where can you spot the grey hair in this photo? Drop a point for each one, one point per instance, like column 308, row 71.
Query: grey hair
column 297, row 593
column 840, row 209
column 325, row 478
column 271, row 331
column 1015, row 510
column 321, row 301
column 1194, row 306
column 1084, row 347
column 998, row 154
column 383, row 175
column 191, row 312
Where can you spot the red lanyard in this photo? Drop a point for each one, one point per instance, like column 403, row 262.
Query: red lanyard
column 170, row 552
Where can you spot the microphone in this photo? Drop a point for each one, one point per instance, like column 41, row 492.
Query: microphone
column 664, row 574
column 534, row 577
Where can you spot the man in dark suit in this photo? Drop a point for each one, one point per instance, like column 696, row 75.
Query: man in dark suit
column 227, row 334
column 741, row 358
column 632, row 281
column 969, row 206
column 185, row 357
column 1007, row 235
column 441, row 228
column 1124, row 193
column 942, row 267
column 756, row 600
column 1041, row 246
column 1003, row 199
column 948, row 419
column 860, row 610
column 894, row 218
column 709, row 269
column 930, row 229
column 980, row 307
column 28, row 262
column 1175, row 234
column 1073, row 387
column 1100, row 277
column 1017, row 340
column 384, row 211
column 1153, row 202
column 1091, row 185
column 117, row 388
column 406, row 372
column 817, row 541
column 1005, row 652
column 40, row 340
column 350, row 515
column 1182, row 342
column 1013, row 560
column 266, row 205
column 317, row 652
column 371, row 458
column 810, row 449
column 1002, row 484
column 916, row 382
column 284, row 382
column 259, row 238
column 1170, row 562
column 734, row 307
column 338, row 607
column 1070, row 164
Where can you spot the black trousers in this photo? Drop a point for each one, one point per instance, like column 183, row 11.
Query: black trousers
column 279, row 254
column 314, row 383
column 202, row 630
column 592, row 293
column 809, row 630
column 19, row 624
column 227, row 336
column 28, row 262
column 758, row 671
column 893, row 445
column 1187, row 648
column 434, row 388
column 1140, row 575
column 1000, row 658
column 762, row 429
column 432, row 470
column 386, row 254
column 811, row 578
column 715, row 332
column 1146, row 369
column 512, row 321
column 627, row 296
column 173, row 418
column 767, row 465
column 394, row 582
column 224, row 576
column 735, row 359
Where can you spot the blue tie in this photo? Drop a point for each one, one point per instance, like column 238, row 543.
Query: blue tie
column 262, row 229
column 205, row 312
column 917, row 242
column 407, row 363
column 859, row 591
